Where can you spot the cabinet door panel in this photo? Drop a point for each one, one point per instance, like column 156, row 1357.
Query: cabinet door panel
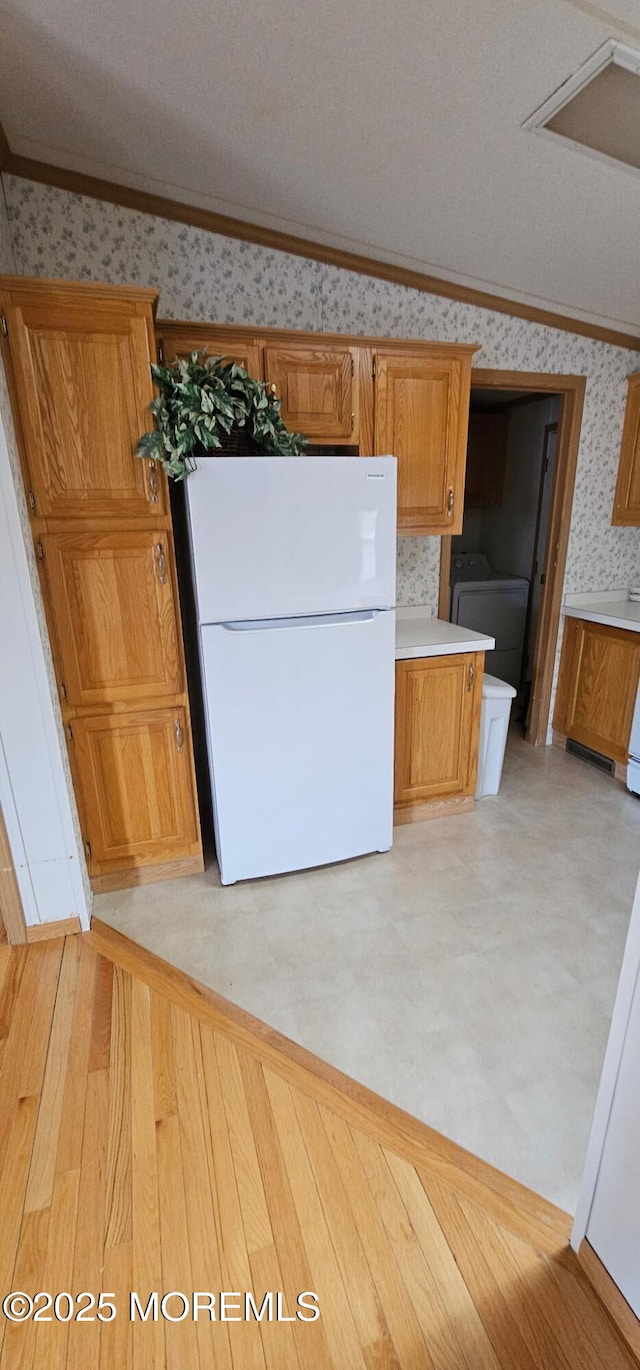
column 134, row 776
column 626, row 505
column 437, row 720
column 246, row 352
column 318, row 389
column 598, row 686
column 84, row 385
column 113, row 604
column 421, row 416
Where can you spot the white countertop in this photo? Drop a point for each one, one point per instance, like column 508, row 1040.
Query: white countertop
column 418, row 634
column 617, row 613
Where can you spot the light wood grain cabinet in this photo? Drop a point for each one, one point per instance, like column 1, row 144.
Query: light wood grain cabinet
column 81, row 368
column 437, row 729
column 135, row 787
column 78, row 359
column 486, row 460
column 597, row 686
column 318, row 388
column 626, row 504
column 232, row 347
column 113, row 606
column 408, row 399
column 421, row 406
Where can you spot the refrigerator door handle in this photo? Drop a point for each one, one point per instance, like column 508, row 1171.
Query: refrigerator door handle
column 259, row 625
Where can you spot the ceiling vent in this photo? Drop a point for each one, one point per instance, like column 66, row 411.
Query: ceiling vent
column 598, row 107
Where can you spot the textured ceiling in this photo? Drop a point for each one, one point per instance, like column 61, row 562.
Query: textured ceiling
column 391, row 129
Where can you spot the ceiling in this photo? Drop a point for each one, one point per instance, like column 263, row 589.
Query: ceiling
column 392, row 129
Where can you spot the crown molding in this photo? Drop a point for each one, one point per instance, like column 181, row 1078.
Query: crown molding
column 144, row 202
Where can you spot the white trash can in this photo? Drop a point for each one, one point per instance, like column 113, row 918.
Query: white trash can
column 494, row 725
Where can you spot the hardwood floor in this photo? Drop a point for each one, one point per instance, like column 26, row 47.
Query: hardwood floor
column 154, row 1138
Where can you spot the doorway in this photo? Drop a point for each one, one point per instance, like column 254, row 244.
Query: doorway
column 539, row 495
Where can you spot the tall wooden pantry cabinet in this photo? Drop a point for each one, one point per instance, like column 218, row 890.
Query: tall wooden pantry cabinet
column 77, row 358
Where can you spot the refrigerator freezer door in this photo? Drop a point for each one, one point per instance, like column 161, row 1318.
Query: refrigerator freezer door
column 273, row 537
column 300, row 729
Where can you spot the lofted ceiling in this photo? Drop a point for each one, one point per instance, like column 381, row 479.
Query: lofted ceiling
column 387, row 127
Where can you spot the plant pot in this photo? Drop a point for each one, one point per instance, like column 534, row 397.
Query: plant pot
column 236, row 443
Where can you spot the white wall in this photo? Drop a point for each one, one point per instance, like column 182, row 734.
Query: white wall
column 36, row 795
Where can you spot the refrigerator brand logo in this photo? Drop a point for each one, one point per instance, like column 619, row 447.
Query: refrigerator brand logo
column 376, row 475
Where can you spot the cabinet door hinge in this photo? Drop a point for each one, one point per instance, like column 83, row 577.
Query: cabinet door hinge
column 87, row 847
column 373, row 371
column 4, row 325
column 39, row 550
column 63, row 689
column 69, row 732
column 353, row 365
column 32, row 501
column 160, row 352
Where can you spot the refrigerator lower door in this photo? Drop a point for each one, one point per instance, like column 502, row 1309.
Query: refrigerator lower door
column 300, row 730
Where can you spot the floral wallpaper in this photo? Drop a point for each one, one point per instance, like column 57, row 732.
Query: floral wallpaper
column 7, row 263
column 204, row 276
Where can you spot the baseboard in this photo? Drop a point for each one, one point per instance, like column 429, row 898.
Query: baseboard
column 146, row 875
column 435, row 808
column 62, row 927
column 615, row 1303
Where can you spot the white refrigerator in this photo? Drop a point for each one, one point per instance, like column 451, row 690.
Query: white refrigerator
column 294, row 575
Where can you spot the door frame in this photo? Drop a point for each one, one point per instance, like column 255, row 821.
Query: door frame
column 571, row 391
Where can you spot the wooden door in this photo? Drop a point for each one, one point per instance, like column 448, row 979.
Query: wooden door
column 135, row 786
column 83, row 389
column 437, row 727
column 626, row 504
column 599, row 674
column 421, row 416
column 246, row 352
column 112, row 601
column 319, row 390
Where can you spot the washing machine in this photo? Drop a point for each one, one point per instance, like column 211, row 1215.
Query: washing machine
column 492, row 603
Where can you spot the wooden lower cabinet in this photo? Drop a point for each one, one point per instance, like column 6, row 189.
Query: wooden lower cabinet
column 438, row 703
column 597, row 686
column 135, row 785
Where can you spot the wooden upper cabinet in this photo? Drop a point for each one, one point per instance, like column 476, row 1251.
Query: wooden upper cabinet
column 112, row 602
column 437, row 727
column 421, row 409
column 626, row 504
column 319, row 390
column 135, row 785
column 597, row 687
column 233, row 347
column 486, row 460
column 83, row 385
